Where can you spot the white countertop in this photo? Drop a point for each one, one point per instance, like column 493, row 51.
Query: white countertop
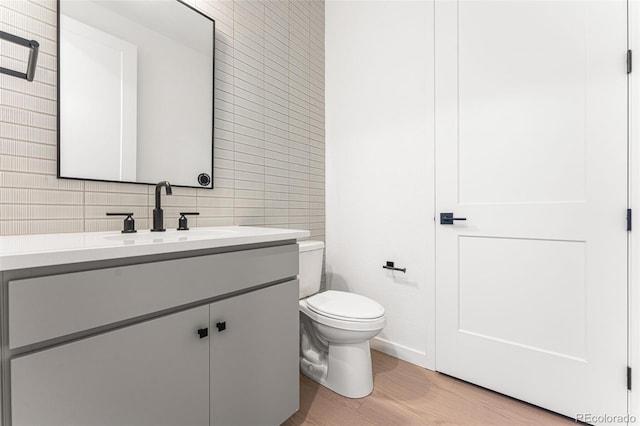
column 31, row 251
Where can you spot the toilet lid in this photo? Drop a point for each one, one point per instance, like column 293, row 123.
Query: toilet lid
column 345, row 305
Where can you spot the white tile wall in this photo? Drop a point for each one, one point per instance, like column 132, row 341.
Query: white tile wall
column 269, row 127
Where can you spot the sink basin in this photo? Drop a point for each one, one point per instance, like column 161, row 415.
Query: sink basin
column 171, row 235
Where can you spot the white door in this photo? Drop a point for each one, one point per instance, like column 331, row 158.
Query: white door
column 99, row 137
column 531, row 148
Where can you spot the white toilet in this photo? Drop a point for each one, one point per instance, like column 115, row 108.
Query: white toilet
column 335, row 328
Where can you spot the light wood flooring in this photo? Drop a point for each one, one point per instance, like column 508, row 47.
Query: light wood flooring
column 405, row 394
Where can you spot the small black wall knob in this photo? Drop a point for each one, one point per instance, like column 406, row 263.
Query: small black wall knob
column 203, row 332
column 222, row 326
column 204, row 179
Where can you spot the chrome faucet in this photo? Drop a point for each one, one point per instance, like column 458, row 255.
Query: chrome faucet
column 158, row 216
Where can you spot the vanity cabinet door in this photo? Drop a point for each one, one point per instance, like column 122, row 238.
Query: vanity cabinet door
column 254, row 357
column 152, row 373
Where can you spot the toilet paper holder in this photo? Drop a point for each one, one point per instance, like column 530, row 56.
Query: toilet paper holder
column 391, row 266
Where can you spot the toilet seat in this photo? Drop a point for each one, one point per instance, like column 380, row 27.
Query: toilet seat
column 343, row 322
column 345, row 306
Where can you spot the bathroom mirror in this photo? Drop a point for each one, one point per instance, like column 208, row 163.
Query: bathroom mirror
column 135, row 92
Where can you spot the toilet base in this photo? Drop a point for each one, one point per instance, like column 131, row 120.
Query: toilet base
column 348, row 370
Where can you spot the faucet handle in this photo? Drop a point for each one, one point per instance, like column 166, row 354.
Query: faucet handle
column 182, row 222
column 129, row 223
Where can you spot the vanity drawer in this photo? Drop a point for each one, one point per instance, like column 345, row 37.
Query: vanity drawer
column 53, row 306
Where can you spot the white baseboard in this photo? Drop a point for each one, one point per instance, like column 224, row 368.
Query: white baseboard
column 399, row 351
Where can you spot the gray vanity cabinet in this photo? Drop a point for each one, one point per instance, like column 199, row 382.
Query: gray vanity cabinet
column 153, row 373
column 202, row 339
column 254, row 357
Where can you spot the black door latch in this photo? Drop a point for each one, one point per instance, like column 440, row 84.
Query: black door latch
column 203, row 332
column 222, row 326
column 447, row 218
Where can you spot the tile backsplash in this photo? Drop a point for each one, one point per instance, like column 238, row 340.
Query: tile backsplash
column 269, row 133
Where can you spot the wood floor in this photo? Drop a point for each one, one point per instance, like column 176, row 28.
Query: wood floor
column 408, row 395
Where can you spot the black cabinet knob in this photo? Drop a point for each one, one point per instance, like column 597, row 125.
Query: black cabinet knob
column 203, row 332
column 222, row 326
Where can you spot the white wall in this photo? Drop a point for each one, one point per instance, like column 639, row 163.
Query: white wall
column 380, row 168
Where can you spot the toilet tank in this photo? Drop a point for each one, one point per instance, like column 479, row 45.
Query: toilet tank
column 310, row 267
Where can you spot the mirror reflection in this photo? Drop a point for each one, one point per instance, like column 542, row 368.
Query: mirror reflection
column 135, row 92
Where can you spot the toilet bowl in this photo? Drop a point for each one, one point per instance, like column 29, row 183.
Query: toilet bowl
column 335, row 328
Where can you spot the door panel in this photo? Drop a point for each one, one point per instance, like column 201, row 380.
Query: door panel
column 535, row 284
column 522, row 80
column 531, row 147
column 153, row 373
column 254, row 357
